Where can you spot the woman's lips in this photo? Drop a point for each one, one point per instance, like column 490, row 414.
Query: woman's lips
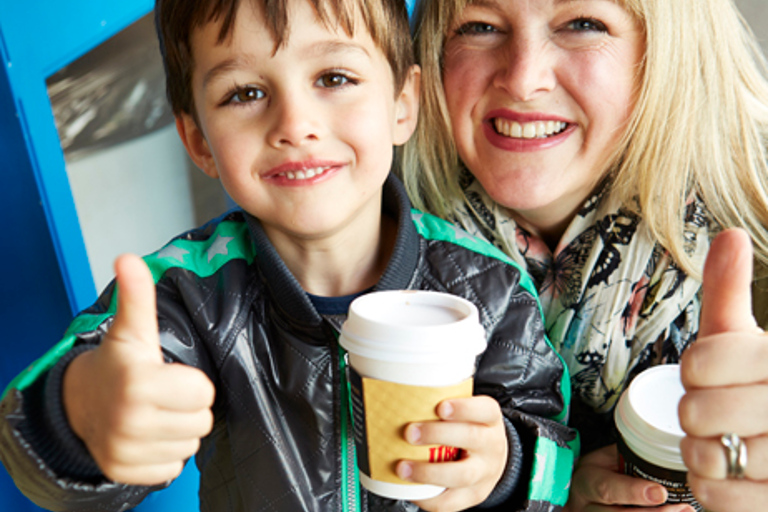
column 533, row 135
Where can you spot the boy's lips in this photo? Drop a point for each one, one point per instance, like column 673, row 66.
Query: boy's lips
column 305, row 171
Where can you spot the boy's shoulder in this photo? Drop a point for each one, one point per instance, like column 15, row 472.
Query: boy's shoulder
column 433, row 228
column 205, row 249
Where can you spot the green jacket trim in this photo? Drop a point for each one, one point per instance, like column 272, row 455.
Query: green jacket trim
column 202, row 257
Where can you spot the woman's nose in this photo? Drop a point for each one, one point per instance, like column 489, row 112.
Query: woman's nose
column 295, row 120
column 526, row 68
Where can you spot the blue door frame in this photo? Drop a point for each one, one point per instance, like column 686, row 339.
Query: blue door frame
column 46, row 273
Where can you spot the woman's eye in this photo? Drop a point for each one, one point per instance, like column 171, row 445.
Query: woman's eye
column 246, row 95
column 587, row 25
column 475, row 28
column 333, row 80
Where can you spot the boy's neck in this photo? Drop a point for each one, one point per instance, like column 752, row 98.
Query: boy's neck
column 343, row 264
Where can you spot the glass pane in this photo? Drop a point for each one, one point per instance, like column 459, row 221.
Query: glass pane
column 133, row 184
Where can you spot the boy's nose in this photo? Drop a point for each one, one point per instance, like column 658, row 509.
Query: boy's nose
column 295, row 122
column 525, row 69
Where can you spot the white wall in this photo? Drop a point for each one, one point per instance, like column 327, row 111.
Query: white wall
column 756, row 14
column 132, row 197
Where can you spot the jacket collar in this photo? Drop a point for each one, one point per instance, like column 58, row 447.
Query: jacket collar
column 288, row 295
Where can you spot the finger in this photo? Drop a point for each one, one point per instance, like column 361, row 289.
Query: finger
column 707, row 458
column 145, row 475
column 457, row 474
column 154, row 453
column 467, row 436
column 726, row 286
column 479, row 409
column 719, row 360
column 603, row 486
column 181, row 388
column 136, row 318
column 713, row 412
column 729, row 495
column 170, row 426
column 452, row 499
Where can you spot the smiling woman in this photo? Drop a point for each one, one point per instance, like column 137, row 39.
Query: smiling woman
column 602, row 144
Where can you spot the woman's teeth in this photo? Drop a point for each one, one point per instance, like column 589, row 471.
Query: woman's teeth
column 305, row 174
column 534, row 130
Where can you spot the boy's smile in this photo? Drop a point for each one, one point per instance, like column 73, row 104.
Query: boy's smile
column 300, row 135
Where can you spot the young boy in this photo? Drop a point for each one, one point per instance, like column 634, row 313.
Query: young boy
column 296, row 107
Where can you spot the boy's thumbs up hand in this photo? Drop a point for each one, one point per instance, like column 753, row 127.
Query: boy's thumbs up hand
column 139, row 417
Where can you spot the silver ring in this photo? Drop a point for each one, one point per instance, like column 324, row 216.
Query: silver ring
column 735, row 455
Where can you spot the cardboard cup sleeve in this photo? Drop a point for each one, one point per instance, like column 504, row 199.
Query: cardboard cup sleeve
column 381, row 410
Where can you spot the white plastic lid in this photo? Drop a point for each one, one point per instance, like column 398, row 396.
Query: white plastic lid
column 647, row 418
column 406, row 325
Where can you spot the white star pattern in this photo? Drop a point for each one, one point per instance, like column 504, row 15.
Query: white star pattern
column 460, row 233
column 219, row 246
column 173, row 251
column 417, row 218
column 541, row 461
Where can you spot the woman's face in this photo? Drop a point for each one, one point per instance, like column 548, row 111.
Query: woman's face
column 538, row 93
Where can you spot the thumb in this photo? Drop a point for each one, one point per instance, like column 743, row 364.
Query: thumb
column 726, row 287
column 136, row 318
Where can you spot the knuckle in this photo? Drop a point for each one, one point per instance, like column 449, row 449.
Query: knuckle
column 194, row 446
column 604, row 491
column 208, row 422
column 687, row 412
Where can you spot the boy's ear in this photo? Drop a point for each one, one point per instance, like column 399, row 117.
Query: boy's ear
column 196, row 145
column 407, row 106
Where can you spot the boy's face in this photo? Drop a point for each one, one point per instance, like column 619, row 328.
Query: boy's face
column 301, row 138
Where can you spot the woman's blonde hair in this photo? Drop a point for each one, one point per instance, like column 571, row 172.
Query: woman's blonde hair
column 700, row 124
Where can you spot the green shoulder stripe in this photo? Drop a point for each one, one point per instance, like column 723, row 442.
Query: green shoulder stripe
column 228, row 242
column 434, row 228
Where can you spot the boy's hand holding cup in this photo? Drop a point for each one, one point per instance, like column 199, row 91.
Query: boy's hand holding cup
column 409, row 352
column 139, row 417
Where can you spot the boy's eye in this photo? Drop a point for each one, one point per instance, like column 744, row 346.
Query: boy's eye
column 246, row 95
column 475, row 28
column 333, row 80
column 586, row 25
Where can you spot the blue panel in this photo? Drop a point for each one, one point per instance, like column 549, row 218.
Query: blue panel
column 46, row 275
column 34, row 309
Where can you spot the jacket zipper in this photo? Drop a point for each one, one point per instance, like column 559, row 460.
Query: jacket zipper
column 350, row 482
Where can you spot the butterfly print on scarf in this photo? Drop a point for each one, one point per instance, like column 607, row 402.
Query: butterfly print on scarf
column 615, row 230
column 585, row 381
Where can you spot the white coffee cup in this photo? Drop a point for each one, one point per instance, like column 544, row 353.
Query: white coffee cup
column 650, row 433
column 408, row 350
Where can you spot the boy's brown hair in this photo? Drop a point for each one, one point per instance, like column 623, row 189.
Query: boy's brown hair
column 385, row 20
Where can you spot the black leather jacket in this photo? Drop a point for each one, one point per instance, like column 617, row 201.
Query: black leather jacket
column 228, row 305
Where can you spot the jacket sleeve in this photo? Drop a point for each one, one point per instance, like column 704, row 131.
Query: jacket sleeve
column 522, row 371
column 46, row 460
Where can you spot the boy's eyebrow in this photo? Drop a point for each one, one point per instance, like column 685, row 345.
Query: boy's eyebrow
column 241, row 61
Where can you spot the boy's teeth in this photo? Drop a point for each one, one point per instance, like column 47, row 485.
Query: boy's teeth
column 305, row 174
column 536, row 129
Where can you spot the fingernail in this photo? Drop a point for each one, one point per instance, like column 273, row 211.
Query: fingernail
column 445, row 410
column 413, row 433
column 405, row 470
column 656, row 495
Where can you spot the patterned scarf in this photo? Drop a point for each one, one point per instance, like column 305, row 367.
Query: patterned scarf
column 614, row 302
